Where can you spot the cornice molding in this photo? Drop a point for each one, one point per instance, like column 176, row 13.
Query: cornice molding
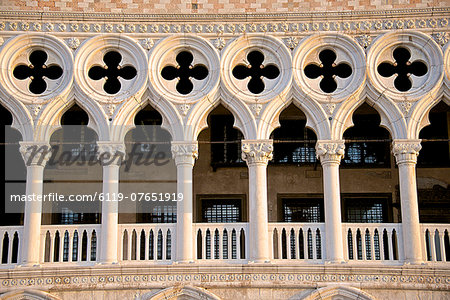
column 385, row 14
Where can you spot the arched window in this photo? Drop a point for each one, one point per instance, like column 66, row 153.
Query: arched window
column 367, row 144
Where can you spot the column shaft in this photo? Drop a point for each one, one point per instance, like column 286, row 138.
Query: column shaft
column 257, row 154
column 185, row 154
column 406, row 152
column 111, row 156
column 35, row 156
column 330, row 154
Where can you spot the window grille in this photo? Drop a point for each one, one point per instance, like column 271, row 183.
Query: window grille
column 303, row 210
column 221, row 210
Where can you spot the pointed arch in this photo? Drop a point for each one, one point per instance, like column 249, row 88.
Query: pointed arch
column 335, row 292
column 28, row 294
column 123, row 122
column 22, row 120
column 186, row 292
column 243, row 118
column 50, row 119
column 392, row 118
column 316, row 118
column 421, row 113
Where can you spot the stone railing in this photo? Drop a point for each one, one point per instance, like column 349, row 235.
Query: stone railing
column 299, row 241
column 436, row 243
column 11, row 240
column 70, row 243
column 373, row 241
column 221, row 241
column 147, row 242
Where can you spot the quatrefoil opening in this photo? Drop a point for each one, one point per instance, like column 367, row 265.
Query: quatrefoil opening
column 403, row 68
column 37, row 71
column 111, row 72
column 328, row 70
column 184, row 72
column 256, row 71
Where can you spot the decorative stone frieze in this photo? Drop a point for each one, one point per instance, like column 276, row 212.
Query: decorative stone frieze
column 35, row 51
column 93, row 53
column 315, row 51
column 184, row 152
column 166, row 54
column 35, row 153
column 406, row 151
column 330, row 151
column 416, row 49
column 111, row 153
column 272, row 53
column 257, row 151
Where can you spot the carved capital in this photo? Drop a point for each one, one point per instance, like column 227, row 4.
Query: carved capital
column 406, row 151
column 35, row 153
column 329, row 151
column 184, row 152
column 257, row 151
column 110, row 153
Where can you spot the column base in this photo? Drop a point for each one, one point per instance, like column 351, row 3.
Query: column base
column 29, row 265
column 259, row 261
column 414, row 262
column 182, row 262
column 335, row 261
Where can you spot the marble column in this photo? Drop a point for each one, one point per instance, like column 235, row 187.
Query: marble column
column 257, row 154
column 36, row 156
column 110, row 155
column 185, row 154
column 330, row 153
column 406, row 152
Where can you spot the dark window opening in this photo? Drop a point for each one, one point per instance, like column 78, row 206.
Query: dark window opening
column 435, row 143
column 159, row 214
column 372, row 145
column 111, row 72
column 403, row 68
column 13, row 173
column 302, row 210
column 436, row 199
column 328, row 69
column 366, row 209
column 220, row 209
column 256, row 70
column 293, row 142
column 225, row 139
column 37, row 71
column 184, row 71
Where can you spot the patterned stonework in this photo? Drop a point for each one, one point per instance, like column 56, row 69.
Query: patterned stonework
column 216, row 6
column 257, row 152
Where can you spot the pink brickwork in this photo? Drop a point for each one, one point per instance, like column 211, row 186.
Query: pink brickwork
column 211, row 7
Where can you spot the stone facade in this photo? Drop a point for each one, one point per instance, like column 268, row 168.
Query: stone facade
column 220, row 35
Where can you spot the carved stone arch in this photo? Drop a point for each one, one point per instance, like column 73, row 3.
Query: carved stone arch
column 28, row 295
column 185, row 293
column 22, row 120
column 243, row 118
column 392, row 119
column 335, row 293
column 124, row 120
column 50, row 119
column 420, row 116
column 316, row 118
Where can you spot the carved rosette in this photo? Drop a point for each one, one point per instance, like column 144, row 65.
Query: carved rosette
column 330, row 151
column 110, row 153
column 406, row 151
column 35, row 153
column 184, row 152
column 257, row 151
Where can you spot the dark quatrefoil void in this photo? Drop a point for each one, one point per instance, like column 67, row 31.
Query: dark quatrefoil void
column 37, row 71
column 403, row 68
column 184, row 71
column 256, row 71
column 111, row 72
column 328, row 70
